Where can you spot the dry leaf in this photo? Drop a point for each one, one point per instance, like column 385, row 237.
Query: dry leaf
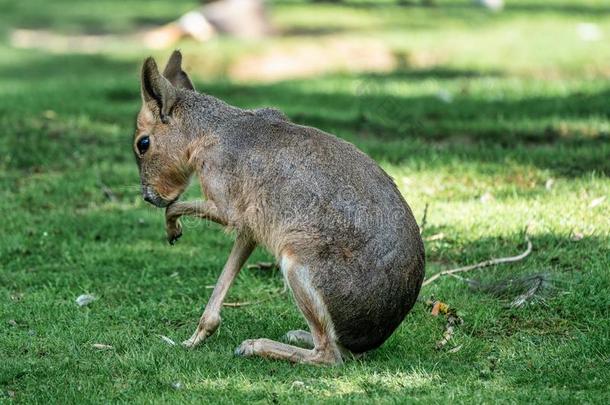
column 436, row 308
column 167, row 340
column 453, row 320
column 439, row 307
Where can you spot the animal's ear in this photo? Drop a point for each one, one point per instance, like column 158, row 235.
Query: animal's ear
column 174, row 73
column 158, row 89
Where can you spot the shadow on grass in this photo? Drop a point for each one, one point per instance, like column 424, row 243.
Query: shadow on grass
column 402, row 129
column 416, row 131
column 37, row 66
column 468, row 6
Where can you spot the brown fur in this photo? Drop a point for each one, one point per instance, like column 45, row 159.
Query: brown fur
column 348, row 243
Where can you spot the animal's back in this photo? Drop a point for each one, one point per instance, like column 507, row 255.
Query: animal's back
column 343, row 216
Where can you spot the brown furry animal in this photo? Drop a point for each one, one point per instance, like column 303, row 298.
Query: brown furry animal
column 346, row 240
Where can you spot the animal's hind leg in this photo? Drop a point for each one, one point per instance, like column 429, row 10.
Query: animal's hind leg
column 309, row 301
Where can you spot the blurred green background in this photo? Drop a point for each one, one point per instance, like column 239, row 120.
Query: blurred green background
column 494, row 120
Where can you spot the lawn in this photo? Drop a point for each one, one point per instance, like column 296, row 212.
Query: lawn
column 496, row 122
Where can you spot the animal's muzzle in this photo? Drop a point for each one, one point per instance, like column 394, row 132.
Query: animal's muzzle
column 150, row 196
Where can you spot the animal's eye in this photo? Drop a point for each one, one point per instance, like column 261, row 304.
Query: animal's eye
column 143, row 144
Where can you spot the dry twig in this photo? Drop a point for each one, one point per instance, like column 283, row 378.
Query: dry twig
column 239, row 304
column 486, row 263
column 453, row 320
column 108, row 193
column 424, row 219
column 437, row 236
column 538, row 283
column 262, row 266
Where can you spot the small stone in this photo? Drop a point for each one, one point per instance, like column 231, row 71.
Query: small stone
column 444, row 96
column 487, row 197
column 492, row 5
column 597, row 201
column 298, row 385
column 101, row 346
column 589, row 32
column 49, row 114
column 84, row 300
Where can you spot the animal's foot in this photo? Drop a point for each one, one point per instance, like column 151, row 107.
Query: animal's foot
column 281, row 351
column 207, row 326
column 246, row 348
column 188, row 343
column 195, row 340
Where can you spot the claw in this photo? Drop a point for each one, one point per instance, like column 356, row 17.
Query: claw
column 174, row 238
column 239, row 351
column 245, row 349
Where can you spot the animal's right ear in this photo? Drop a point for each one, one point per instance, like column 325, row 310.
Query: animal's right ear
column 174, row 73
column 158, row 89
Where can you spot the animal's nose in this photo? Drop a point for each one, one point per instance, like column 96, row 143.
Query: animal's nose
column 146, row 194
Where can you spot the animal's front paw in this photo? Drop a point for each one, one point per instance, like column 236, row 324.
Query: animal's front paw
column 194, row 340
column 189, row 343
column 174, row 231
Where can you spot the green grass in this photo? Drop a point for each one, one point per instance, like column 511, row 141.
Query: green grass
column 529, row 104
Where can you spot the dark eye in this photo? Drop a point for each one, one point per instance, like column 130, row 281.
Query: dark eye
column 143, row 144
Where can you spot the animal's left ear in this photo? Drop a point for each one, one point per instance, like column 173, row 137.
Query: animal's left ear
column 158, row 89
column 174, row 73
